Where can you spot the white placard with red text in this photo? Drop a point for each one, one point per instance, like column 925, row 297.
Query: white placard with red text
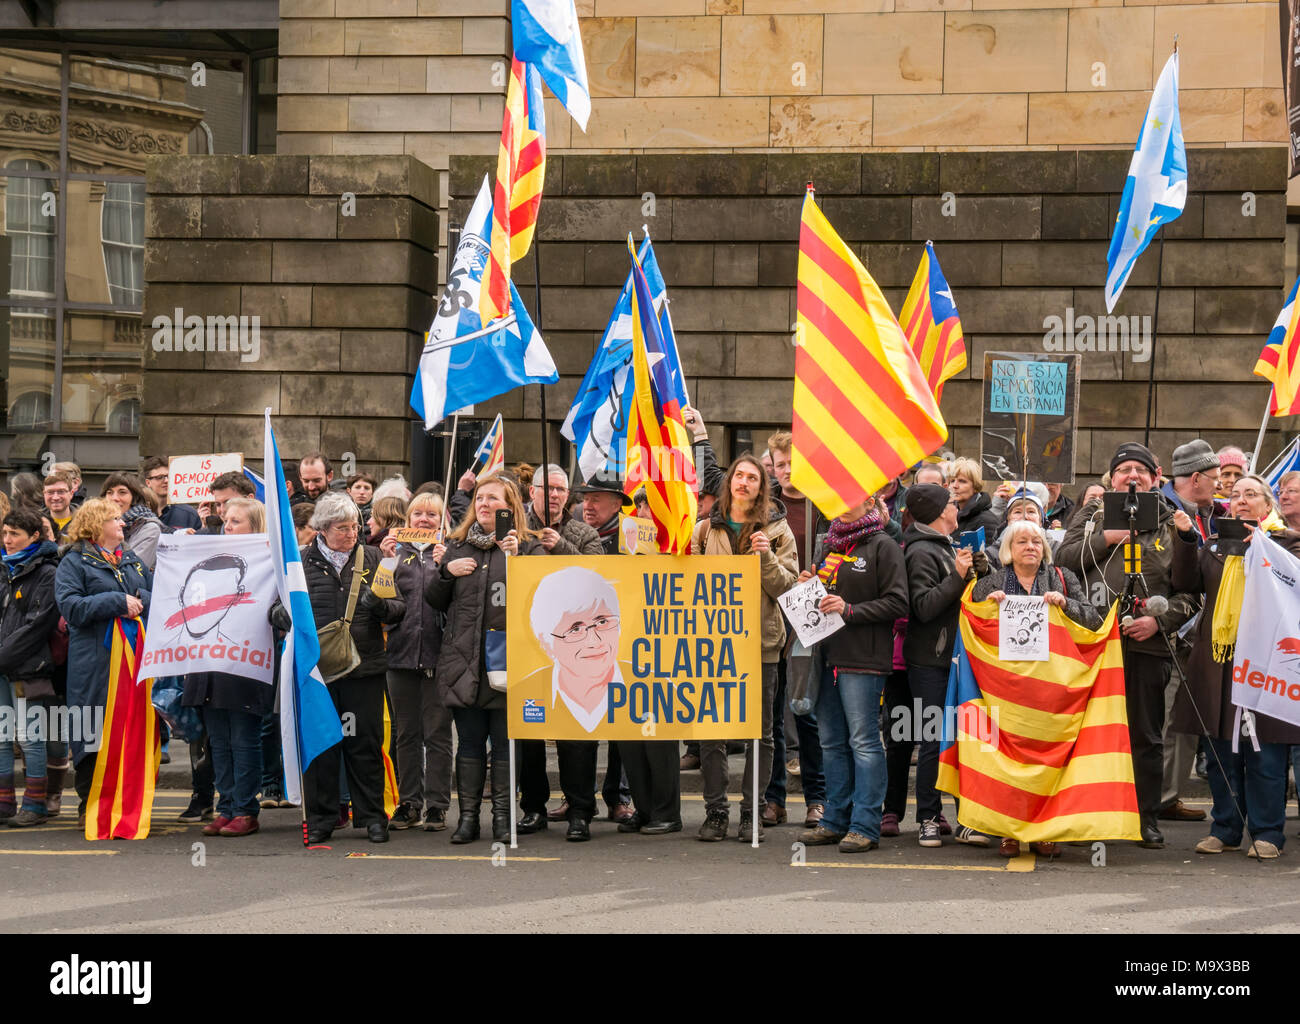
column 189, row 477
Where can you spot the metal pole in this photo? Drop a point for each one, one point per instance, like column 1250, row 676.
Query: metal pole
column 1263, row 427
column 514, row 833
column 754, row 805
column 1155, row 330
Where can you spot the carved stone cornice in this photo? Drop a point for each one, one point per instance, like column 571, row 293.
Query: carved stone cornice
column 115, row 136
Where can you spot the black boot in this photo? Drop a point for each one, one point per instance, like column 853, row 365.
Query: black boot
column 469, row 787
column 502, row 799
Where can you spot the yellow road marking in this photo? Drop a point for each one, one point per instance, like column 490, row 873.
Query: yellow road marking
column 59, row 853
column 394, row 856
column 899, row 867
column 1025, row 862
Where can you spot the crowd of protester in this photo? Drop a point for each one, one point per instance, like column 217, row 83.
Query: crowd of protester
column 431, row 660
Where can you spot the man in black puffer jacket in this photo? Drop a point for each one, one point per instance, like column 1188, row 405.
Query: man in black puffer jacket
column 937, row 574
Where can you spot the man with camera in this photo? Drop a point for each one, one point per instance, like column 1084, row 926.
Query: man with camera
column 1150, row 610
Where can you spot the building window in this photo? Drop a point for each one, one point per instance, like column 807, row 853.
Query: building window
column 32, row 410
column 31, row 232
column 122, row 232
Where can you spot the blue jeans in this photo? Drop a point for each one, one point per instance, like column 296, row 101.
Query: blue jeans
column 272, row 762
column 236, row 738
column 848, row 716
column 26, row 717
column 810, row 752
column 1258, row 782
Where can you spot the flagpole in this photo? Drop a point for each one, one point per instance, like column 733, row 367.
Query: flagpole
column 1155, row 331
column 545, row 514
column 1263, row 427
column 451, row 454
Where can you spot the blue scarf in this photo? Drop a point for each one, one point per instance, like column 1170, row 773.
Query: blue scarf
column 15, row 561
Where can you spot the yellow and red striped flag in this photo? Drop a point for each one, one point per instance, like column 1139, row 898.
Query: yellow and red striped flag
column 863, row 411
column 1277, row 363
column 659, row 453
column 521, row 168
column 390, row 772
column 929, row 319
column 120, row 805
column 1039, row 750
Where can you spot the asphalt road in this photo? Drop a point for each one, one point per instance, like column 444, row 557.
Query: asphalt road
column 54, row 881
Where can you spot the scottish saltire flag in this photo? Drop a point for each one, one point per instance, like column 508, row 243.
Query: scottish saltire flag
column 521, row 172
column 1277, row 363
column 1156, row 190
column 120, row 803
column 546, row 34
column 659, row 448
column 309, row 722
column 1287, row 462
column 597, row 420
column 463, row 361
column 863, row 411
column 1039, row 750
column 929, row 319
column 259, row 485
column 491, row 452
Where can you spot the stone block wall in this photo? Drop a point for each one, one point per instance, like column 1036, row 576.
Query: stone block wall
column 343, row 292
column 1027, row 239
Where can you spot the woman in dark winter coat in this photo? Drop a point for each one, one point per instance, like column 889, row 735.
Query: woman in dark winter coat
column 328, row 564
column 233, row 708
column 1026, row 557
column 974, row 507
column 866, row 583
column 471, row 589
column 98, row 580
column 421, row 721
column 141, row 526
column 27, row 622
column 1255, row 780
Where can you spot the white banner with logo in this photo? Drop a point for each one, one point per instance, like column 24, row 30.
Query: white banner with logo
column 1266, row 668
column 208, row 613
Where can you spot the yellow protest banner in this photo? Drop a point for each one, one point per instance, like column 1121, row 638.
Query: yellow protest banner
column 637, row 536
column 661, row 647
column 383, row 584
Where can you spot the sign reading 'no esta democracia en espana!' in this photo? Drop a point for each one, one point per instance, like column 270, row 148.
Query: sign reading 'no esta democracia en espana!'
column 620, row 648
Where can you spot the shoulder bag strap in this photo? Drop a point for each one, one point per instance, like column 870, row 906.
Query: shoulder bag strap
column 356, row 583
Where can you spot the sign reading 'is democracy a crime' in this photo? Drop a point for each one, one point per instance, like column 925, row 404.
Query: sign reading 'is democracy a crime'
column 189, row 477
column 656, row 647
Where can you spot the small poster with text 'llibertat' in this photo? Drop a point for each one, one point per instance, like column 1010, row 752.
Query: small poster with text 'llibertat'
column 802, row 606
column 1022, row 629
column 1030, row 416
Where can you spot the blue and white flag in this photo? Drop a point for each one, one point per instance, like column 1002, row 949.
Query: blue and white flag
column 1285, row 463
column 546, row 34
column 259, row 485
column 597, row 420
column 1156, row 190
column 464, row 362
column 309, row 722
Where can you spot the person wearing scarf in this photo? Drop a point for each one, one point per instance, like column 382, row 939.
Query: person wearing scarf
column 141, row 527
column 862, row 569
column 1240, row 777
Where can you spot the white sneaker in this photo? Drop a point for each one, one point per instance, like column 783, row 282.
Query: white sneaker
column 966, row 834
column 1213, row 844
column 1262, row 849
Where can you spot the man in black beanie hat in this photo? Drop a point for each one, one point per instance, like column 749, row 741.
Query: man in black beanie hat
column 1097, row 557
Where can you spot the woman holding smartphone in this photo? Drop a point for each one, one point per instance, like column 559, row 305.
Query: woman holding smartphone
column 471, row 589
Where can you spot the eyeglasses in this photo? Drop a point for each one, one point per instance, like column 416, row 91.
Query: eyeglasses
column 345, row 527
column 577, row 633
column 1290, row 492
column 155, row 478
column 1250, row 495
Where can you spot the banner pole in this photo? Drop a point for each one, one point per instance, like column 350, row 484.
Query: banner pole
column 514, row 834
column 1263, row 428
column 754, row 805
column 1155, row 331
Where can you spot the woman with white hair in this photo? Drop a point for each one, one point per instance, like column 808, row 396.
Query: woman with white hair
column 1028, row 571
column 334, row 564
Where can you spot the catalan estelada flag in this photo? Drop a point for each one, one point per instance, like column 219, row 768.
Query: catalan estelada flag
column 120, row 805
column 659, row 451
column 1038, row 750
column 1277, row 362
column 491, row 452
column 929, row 320
column 521, row 168
column 863, row 411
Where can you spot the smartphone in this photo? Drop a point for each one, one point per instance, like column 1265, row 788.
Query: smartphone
column 505, row 522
